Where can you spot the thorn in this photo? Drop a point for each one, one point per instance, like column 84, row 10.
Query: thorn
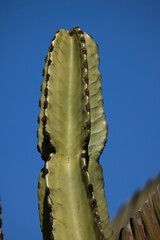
column 90, row 188
column 45, row 104
column 46, row 92
column 49, row 62
column 47, row 191
column 94, row 203
column 47, row 77
column 84, row 50
column 86, row 79
column 97, row 217
column 88, row 107
column 82, row 40
column 44, row 120
column 85, row 64
column 86, row 92
column 89, row 124
column 45, row 172
column 53, row 38
column 51, row 48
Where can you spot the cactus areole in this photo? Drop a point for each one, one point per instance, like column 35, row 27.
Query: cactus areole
column 71, row 136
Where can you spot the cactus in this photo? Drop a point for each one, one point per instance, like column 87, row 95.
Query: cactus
column 71, row 136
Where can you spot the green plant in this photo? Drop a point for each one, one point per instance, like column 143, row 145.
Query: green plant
column 71, row 136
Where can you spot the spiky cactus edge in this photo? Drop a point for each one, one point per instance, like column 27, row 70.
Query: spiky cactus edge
column 71, row 136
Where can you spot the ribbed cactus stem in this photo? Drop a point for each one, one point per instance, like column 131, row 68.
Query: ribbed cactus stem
column 71, row 136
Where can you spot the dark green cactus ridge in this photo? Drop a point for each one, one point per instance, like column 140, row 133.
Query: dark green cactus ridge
column 71, row 136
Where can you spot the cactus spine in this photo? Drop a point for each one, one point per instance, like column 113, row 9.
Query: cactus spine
column 71, row 136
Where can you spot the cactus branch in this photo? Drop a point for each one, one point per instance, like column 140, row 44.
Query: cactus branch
column 71, row 136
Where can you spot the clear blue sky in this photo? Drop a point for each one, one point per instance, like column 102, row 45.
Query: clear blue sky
column 128, row 35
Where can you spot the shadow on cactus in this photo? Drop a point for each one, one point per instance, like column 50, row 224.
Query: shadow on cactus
column 71, row 136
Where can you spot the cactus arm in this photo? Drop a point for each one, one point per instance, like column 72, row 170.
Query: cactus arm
column 98, row 136
column 66, row 144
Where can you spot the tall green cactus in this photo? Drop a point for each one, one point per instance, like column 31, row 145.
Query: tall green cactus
column 71, row 136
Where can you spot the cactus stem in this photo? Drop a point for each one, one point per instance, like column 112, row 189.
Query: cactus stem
column 71, row 136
